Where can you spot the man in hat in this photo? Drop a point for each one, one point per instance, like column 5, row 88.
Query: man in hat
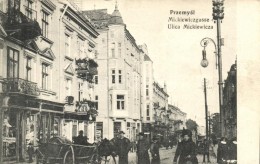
column 142, row 150
column 81, row 140
column 155, row 151
column 186, row 150
column 123, row 145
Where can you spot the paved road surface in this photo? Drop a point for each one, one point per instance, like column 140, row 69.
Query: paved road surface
column 166, row 157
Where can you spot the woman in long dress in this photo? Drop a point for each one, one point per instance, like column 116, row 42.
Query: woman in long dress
column 186, row 150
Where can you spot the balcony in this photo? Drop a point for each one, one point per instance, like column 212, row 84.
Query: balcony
column 20, row 26
column 86, row 69
column 20, row 86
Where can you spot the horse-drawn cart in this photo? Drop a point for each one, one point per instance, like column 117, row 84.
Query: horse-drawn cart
column 62, row 151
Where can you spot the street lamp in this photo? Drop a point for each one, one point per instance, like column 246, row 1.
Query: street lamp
column 218, row 15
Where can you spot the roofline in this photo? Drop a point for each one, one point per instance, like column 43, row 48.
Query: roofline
column 83, row 22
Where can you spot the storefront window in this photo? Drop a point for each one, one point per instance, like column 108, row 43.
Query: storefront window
column 74, row 129
column 9, row 134
column 55, row 128
column 117, row 128
column 99, row 130
column 30, row 125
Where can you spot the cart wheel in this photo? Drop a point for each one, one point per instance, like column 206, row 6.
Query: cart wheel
column 68, row 158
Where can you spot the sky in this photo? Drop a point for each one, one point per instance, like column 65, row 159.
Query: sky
column 176, row 53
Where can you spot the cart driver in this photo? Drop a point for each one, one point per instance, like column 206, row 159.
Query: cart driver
column 80, row 139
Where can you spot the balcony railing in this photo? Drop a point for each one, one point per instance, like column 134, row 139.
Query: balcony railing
column 20, row 86
column 22, row 26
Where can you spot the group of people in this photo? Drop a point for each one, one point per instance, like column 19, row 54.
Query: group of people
column 227, row 151
column 142, row 147
column 185, row 152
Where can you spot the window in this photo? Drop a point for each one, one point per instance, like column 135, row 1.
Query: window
column 120, row 102
column 112, row 34
column 119, row 49
column 113, row 76
column 45, row 76
column 147, row 110
column 28, row 68
column 120, row 76
column 28, row 9
column 96, row 98
column 67, row 45
column 12, row 63
column 79, row 90
column 103, row 40
column 117, row 128
column 68, row 87
column 80, row 46
column 147, row 90
column 45, row 23
column 113, row 52
column 96, row 54
column 96, row 79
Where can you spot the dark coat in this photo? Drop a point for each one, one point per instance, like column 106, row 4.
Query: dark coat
column 205, row 146
column 222, row 152
column 155, row 153
column 232, row 151
column 123, row 146
column 185, row 149
column 142, row 152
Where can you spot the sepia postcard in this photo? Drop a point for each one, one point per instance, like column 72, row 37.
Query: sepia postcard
column 129, row 81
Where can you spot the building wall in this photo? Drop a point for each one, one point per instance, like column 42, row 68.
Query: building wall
column 119, row 58
column 47, row 49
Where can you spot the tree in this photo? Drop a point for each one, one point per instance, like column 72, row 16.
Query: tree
column 215, row 125
column 191, row 125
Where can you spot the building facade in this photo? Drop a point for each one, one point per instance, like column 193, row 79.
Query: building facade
column 160, row 107
column 230, row 103
column 36, row 66
column 178, row 118
column 117, row 86
column 147, row 94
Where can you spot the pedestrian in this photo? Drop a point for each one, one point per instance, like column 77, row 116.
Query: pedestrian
column 30, row 152
column 123, row 146
column 233, row 150
column 222, row 152
column 186, row 150
column 155, row 151
column 142, row 150
column 205, row 146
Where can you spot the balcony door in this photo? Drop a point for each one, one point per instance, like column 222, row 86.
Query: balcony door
column 12, row 63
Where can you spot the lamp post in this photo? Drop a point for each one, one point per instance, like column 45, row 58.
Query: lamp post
column 218, row 15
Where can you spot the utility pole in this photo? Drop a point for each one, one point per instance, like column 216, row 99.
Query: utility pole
column 218, row 15
column 206, row 107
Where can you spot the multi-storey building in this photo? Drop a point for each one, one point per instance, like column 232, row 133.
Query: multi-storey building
column 177, row 117
column 77, row 70
column 117, row 86
column 38, row 71
column 230, row 103
column 160, row 107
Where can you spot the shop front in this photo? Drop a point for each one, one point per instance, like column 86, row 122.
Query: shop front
column 82, row 118
column 26, row 120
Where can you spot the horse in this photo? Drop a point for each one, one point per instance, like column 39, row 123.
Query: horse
column 107, row 148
